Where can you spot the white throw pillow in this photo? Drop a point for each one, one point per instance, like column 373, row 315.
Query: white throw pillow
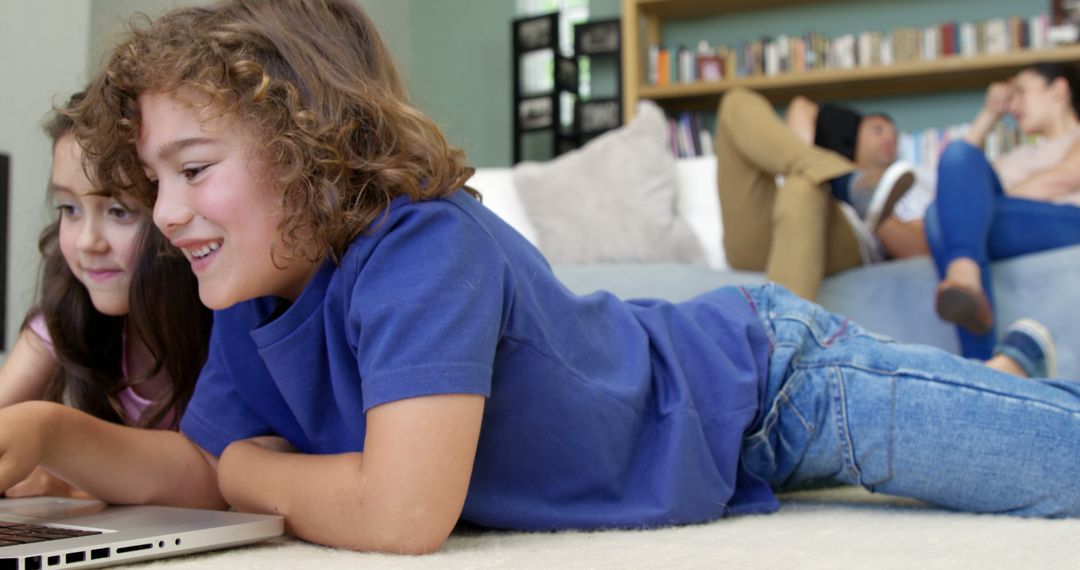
column 698, row 202
column 496, row 186
column 612, row 201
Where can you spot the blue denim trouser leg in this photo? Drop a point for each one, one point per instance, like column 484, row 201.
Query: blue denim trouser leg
column 844, row 405
column 972, row 217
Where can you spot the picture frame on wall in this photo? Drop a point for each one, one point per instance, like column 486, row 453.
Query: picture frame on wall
column 598, row 116
column 536, row 113
column 597, row 38
column 535, row 33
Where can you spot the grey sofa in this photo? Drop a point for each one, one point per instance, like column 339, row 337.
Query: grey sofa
column 894, row 298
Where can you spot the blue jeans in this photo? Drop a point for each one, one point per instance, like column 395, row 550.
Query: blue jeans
column 843, row 405
column 973, row 218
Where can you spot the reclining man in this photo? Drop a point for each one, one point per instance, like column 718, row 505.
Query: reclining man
column 802, row 211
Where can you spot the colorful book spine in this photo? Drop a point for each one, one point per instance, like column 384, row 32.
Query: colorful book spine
column 810, row 51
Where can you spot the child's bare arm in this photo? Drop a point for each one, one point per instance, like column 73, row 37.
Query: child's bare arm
column 403, row 494
column 115, row 463
column 42, row 483
column 27, row 370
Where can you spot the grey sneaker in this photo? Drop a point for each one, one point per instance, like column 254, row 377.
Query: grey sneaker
column 1028, row 343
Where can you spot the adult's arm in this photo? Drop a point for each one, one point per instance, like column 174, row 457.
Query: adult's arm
column 801, row 118
column 903, row 239
column 994, row 107
column 115, row 463
column 1063, row 178
column 403, row 494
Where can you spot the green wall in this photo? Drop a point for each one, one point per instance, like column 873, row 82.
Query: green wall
column 43, row 44
column 460, row 73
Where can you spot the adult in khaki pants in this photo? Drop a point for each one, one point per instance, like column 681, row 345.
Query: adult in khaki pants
column 795, row 232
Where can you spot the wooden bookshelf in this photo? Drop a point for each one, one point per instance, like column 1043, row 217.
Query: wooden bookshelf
column 678, row 9
column 642, row 20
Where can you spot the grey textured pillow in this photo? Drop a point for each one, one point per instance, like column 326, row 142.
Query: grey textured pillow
column 612, row 201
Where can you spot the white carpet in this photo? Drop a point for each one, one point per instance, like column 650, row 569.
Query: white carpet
column 838, row 528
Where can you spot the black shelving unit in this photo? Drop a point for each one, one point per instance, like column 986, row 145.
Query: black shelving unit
column 601, row 42
column 541, row 112
column 5, row 198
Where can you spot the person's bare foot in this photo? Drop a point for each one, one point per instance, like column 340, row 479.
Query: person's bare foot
column 1003, row 363
column 961, row 299
column 966, row 272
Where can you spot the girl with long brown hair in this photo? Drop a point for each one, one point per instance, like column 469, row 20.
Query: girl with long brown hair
column 118, row 330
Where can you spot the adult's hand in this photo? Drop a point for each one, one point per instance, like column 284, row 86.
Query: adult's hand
column 996, row 104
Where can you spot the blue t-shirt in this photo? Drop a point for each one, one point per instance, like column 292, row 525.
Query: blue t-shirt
column 599, row 412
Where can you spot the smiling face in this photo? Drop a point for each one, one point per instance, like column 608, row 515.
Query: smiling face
column 216, row 202
column 98, row 234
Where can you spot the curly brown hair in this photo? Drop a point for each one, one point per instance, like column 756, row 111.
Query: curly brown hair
column 314, row 81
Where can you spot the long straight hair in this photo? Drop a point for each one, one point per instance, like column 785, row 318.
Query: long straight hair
column 164, row 314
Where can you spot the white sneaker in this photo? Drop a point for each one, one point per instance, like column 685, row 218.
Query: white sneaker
column 894, row 183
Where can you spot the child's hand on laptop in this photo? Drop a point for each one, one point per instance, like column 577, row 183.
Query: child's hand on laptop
column 24, row 434
column 41, row 483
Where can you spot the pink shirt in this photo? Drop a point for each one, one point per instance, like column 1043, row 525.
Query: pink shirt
column 1026, row 161
column 133, row 403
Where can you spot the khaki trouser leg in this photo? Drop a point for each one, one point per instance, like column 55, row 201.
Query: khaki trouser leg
column 796, row 233
column 797, row 260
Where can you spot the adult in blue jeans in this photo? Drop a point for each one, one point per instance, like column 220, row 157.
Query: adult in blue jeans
column 1024, row 202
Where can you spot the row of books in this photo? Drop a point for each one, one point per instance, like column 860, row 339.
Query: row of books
column 923, row 148
column 811, row 51
column 689, row 135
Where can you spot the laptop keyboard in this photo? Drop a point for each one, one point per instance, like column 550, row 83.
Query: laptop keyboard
column 12, row 533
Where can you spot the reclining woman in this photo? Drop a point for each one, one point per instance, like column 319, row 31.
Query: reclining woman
column 1024, row 202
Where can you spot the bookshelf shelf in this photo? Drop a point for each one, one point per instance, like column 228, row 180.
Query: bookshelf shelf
column 947, row 73
column 677, row 9
column 943, row 74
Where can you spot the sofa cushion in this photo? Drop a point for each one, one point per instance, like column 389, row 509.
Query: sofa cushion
column 698, row 202
column 612, row 201
column 496, row 186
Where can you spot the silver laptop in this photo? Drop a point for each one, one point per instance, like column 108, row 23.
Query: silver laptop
column 48, row 532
